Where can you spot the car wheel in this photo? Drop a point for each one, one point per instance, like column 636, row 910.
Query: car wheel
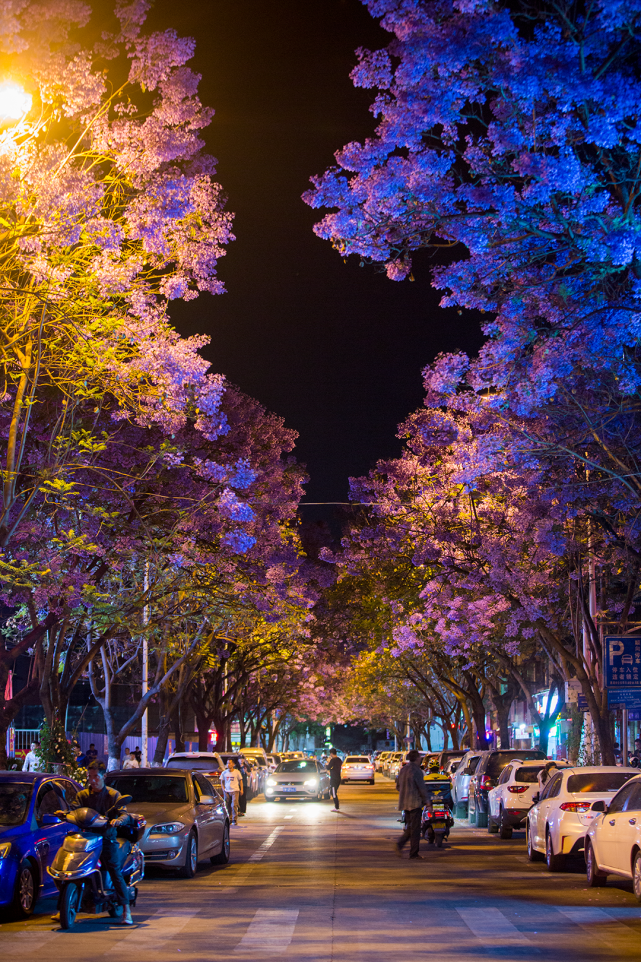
column 69, row 905
column 505, row 830
column 481, row 820
column 492, row 827
column 596, row 879
column 191, row 857
column 636, row 876
column 25, row 893
column 532, row 854
column 461, row 810
column 372, row 781
column 555, row 863
column 223, row 856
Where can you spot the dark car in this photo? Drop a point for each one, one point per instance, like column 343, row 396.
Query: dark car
column 30, row 835
column 445, row 757
column 486, row 776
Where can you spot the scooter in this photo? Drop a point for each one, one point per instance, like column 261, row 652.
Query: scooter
column 82, row 882
column 436, row 817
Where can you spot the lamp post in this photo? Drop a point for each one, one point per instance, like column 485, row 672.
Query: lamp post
column 15, row 102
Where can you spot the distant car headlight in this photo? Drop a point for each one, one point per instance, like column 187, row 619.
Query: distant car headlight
column 272, row 782
column 167, row 828
column 311, row 783
column 5, row 848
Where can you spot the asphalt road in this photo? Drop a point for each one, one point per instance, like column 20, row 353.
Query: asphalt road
column 310, row 885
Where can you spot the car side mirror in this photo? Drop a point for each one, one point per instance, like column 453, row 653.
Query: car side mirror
column 49, row 819
column 599, row 806
column 206, row 800
column 536, row 797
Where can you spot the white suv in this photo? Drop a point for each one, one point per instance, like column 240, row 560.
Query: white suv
column 512, row 797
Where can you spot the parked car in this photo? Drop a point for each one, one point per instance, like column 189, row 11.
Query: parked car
column 186, row 818
column 394, row 757
column 613, row 840
column 357, row 768
column 30, row 835
column 209, row 763
column 487, row 774
column 298, row 778
column 559, row 821
column 461, row 781
column 379, row 759
column 396, row 764
column 513, row 796
column 445, row 757
column 273, row 760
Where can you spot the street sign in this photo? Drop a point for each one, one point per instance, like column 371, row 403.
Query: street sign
column 625, row 698
column 634, row 716
column 582, row 702
column 622, row 661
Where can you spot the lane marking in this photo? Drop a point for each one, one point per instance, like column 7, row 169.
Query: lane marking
column 269, row 932
column 491, row 927
column 152, row 935
column 269, row 841
column 593, row 919
column 21, row 943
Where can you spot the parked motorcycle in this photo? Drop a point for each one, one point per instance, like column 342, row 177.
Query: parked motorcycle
column 83, row 884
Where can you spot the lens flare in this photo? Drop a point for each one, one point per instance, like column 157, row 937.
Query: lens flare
column 14, row 101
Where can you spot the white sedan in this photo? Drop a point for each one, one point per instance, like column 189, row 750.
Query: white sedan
column 558, row 823
column 613, row 843
column 357, row 768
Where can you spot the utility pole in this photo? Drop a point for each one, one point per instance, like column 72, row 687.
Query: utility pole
column 145, row 673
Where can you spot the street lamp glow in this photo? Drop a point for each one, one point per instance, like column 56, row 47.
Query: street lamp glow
column 14, row 101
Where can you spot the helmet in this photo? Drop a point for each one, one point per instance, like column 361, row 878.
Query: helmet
column 433, row 765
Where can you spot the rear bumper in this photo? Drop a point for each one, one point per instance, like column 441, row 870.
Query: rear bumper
column 515, row 816
column 357, row 776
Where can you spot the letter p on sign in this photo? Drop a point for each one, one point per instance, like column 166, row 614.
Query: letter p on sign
column 616, row 649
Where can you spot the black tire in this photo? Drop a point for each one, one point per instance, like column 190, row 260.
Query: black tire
column 595, row 878
column 636, row 876
column 492, row 827
column 25, row 892
column 188, row 870
column 372, row 781
column 481, row 820
column 505, row 830
column 460, row 810
column 223, row 856
column 532, row 853
column 554, row 862
column 69, row 906
column 439, row 841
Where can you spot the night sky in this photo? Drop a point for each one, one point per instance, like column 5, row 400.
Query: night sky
column 335, row 349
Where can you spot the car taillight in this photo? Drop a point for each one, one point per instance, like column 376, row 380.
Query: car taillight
column 575, row 806
column 485, row 782
column 517, row 789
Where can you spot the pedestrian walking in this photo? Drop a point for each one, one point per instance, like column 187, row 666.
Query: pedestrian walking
column 242, row 800
column 412, row 796
column 231, row 782
column 31, row 761
column 334, row 766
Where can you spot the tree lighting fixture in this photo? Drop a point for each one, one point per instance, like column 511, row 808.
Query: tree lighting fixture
column 15, row 102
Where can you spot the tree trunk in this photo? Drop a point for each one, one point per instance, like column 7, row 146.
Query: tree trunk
column 177, row 725
column 204, row 724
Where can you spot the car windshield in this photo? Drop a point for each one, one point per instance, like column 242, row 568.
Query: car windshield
column 598, row 782
column 14, row 801
column 498, row 762
column 356, row 760
column 151, row 788
column 202, row 764
column 527, row 775
column 297, row 765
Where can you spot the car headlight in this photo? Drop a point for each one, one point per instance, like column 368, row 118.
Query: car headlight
column 311, row 783
column 272, row 782
column 5, row 848
column 167, row 828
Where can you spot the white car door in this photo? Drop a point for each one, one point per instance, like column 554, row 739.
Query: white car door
column 545, row 808
column 618, row 831
column 496, row 794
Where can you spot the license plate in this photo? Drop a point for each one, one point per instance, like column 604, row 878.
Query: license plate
column 288, row 788
column 438, row 825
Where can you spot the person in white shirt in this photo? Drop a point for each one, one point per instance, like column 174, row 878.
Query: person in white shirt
column 130, row 760
column 32, row 762
column 231, row 782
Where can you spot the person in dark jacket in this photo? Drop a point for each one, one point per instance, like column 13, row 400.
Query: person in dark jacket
column 334, row 766
column 107, row 801
column 411, row 799
column 242, row 801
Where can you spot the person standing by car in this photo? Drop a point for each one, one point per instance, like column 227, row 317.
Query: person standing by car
column 334, row 766
column 411, row 799
column 242, row 799
column 231, row 782
column 31, row 761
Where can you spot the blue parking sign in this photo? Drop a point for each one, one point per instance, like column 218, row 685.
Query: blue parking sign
column 622, row 661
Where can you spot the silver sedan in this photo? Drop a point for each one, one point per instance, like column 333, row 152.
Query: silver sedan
column 186, row 818
column 298, row 778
